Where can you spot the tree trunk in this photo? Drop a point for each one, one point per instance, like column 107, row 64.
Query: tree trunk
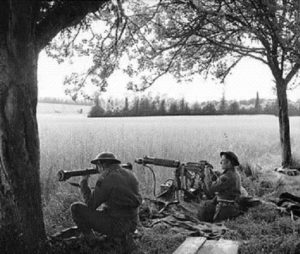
column 21, row 218
column 284, row 124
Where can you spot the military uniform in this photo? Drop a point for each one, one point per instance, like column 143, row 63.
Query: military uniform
column 117, row 191
column 223, row 206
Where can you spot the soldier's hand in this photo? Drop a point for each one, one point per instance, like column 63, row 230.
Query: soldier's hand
column 85, row 178
column 207, row 172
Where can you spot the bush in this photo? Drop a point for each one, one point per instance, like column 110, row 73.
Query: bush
column 270, row 244
column 96, row 111
column 250, row 171
column 264, row 230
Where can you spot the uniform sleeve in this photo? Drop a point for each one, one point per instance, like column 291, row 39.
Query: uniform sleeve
column 85, row 189
column 99, row 195
column 220, row 184
column 139, row 197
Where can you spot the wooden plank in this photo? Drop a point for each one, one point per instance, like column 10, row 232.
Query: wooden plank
column 219, row 247
column 190, row 246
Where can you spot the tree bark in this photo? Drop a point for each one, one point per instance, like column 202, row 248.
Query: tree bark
column 23, row 33
column 284, row 123
column 21, row 218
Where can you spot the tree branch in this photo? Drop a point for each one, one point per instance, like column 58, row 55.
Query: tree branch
column 292, row 73
column 61, row 16
column 163, row 71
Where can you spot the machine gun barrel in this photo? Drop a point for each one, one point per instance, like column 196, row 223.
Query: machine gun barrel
column 190, row 166
column 65, row 175
column 158, row 162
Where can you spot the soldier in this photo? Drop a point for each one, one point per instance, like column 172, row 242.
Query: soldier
column 227, row 189
column 117, row 192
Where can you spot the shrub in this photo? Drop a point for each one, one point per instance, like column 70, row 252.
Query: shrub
column 96, row 111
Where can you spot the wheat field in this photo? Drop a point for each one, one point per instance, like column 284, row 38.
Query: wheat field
column 70, row 141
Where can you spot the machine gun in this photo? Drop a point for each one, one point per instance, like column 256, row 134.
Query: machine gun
column 188, row 178
column 65, row 175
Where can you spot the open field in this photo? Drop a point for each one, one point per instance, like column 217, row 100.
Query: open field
column 254, row 138
column 55, row 108
column 69, row 141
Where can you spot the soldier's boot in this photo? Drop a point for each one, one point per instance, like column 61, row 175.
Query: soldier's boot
column 126, row 243
column 90, row 238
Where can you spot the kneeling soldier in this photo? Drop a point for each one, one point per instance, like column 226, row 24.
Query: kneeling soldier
column 118, row 193
column 227, row 189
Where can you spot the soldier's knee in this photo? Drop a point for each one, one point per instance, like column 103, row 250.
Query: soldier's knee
column 76, row 208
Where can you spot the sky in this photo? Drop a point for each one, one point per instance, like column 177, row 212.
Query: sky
column 247, row 78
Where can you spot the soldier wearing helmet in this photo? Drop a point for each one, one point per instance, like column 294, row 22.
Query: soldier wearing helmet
column 227, row 189
column 117, row 192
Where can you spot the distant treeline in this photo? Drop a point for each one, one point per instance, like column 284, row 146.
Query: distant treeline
column 148, row 106
column 65, row 101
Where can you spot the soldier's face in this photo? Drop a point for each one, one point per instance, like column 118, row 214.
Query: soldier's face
column 225, row 163
column 99, row 167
